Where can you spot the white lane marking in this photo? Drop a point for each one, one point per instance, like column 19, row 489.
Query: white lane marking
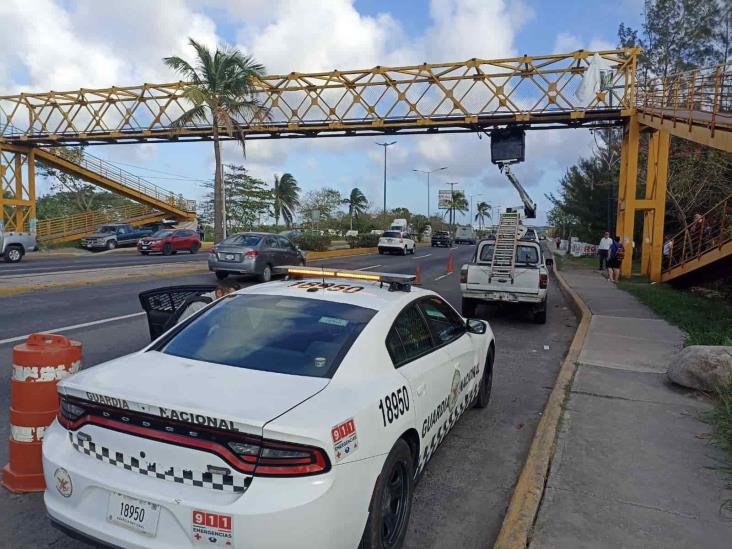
column 74, row 327
column 421, row 256
column 438, row 278
column 367, row 268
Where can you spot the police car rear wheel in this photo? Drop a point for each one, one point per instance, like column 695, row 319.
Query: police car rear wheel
column 392, row 501
column 486, row 382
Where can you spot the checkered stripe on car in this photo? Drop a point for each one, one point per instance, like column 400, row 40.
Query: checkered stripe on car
column 448, row 424
column 225, row 483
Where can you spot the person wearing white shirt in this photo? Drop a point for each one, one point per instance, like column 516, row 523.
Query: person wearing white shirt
column 602, row 250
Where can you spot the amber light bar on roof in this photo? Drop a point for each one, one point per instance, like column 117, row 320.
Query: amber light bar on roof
column 388, row 278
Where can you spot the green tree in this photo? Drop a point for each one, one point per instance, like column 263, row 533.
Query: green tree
column 457, row 203
column 64, row 203
column 248, row 199
column 483, row 212
column 82, row 195
column 286, row 195
column 221, row 88
column 324, row 203
column 357, row 204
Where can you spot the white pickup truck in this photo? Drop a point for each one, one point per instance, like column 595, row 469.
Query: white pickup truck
column 14, row 245
column 528, row 286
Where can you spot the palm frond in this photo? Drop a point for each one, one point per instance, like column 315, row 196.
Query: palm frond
column 196, row 114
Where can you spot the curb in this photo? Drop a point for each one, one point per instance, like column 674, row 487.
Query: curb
column 523, row 508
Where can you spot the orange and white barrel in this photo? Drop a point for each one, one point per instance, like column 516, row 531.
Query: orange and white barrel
column 38, row 365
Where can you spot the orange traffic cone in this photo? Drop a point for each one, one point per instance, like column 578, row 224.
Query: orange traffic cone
column 418, row 277
column 449, row 263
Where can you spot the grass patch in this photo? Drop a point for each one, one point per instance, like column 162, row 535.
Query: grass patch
column 721, row 419
column 707, row 321
column 570, row 262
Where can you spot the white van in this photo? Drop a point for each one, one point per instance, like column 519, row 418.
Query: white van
column 465, row 235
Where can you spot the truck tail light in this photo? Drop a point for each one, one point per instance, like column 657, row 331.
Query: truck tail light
column 543, row 280
column 464, row 275
column 251, row 253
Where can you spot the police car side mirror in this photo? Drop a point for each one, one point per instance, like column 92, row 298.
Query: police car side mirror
column 475, row 326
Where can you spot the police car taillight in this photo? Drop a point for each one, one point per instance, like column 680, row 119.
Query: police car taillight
column 276, row 458
column 68, row 412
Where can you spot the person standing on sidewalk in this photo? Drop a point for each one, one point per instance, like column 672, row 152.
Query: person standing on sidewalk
column 602, row 250
column 615, row 259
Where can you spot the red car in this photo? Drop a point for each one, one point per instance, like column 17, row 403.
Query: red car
column 170, row 241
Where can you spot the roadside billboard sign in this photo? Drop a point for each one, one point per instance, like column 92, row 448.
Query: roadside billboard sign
column 444, row 199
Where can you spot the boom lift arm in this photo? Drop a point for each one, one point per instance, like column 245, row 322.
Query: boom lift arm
column 529, row 206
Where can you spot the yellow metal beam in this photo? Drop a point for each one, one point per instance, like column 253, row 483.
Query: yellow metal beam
column 697, row 132
column 463, row 96
column 627, row 190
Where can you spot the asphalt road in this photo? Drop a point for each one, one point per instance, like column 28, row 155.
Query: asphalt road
column 460, row 500
column 39, row 264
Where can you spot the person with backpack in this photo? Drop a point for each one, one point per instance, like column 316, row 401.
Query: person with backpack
column 615, row 259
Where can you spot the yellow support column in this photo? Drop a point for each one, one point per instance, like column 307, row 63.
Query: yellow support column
column 627, row 190
column 32, row 219
column 19, row 192
column 661, row 143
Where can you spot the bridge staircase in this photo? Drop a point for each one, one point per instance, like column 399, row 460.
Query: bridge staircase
column 701, row 243
column 73, row 227
column 504, row 254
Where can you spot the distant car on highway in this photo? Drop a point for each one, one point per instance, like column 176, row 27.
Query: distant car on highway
column 253, row 254
column 291, row 414
column 114, row 235
column 465, row 235
column 169, row 242
column 441, row 238
column 14, row 245
column 396, row 242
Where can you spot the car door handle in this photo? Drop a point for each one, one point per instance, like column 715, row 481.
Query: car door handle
column 421, row 389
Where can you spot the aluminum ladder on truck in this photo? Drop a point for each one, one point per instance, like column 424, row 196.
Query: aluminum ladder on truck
column 504, row 253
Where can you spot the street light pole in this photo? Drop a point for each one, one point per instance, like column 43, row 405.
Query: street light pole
column 385, row 145
column 429, row 172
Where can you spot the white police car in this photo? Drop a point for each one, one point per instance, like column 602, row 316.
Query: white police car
column 296, row 413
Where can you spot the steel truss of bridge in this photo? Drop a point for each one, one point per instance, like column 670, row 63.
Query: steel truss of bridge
column 531, row 92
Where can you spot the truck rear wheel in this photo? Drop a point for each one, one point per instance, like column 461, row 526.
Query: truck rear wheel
column 13, row 254
column 468, row 307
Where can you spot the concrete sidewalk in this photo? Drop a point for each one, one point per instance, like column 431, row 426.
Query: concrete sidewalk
column 633, row 466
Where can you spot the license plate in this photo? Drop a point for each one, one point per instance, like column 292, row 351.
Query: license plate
column 504, row 296
column 230, row 257
column 135, row 514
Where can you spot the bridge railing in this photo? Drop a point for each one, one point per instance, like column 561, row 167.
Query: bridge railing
column 129, row 180
column 697, row 97
column 705, row 233
column 86, row 222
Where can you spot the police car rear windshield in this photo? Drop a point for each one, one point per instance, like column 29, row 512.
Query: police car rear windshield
column 288, row 335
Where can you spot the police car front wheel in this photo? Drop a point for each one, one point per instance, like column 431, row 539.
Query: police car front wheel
column 392, row 501
column 486, row 382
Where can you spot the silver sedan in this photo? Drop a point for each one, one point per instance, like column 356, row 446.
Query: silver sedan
column 253, row 254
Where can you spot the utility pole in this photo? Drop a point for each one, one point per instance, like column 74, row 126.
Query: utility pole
column 429, row 172
column 452, row 206
column 385, row 145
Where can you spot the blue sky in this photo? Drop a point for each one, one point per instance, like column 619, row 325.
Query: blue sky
column 66, row 45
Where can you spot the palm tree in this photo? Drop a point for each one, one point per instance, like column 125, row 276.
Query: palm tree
column 484, row 211
column 221, row 88
column 286, row 198
column 357, row 204
column 457, row 203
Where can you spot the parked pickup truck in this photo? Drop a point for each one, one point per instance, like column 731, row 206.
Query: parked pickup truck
column 528, row 287
column 14, row 245
column 110, row 236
